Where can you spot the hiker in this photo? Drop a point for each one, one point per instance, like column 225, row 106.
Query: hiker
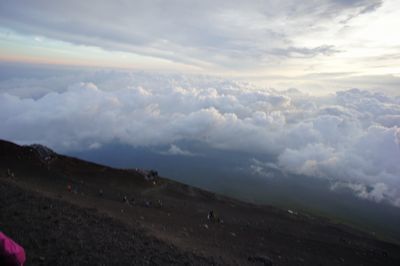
column 10, row 173
column 11, row 254
column 210, row 215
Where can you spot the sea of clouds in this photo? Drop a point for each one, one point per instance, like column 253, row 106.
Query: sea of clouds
column 351, row 137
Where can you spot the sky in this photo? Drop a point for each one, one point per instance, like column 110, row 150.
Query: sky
column 304, row 87
column 319, row 46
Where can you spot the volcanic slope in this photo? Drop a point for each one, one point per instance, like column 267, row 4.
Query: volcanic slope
column 66, row 211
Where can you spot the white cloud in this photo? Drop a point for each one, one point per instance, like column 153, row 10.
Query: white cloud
column 351, row 137
column 228, row 34
column 175, row 150
column 376, row 192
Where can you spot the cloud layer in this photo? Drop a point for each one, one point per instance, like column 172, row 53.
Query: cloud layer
column 351, row 137
column 231, row 34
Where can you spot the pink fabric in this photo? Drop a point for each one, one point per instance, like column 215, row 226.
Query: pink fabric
column 10, row 252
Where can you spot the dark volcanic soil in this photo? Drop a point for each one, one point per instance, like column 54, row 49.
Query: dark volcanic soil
column 136, row 222
column 54, row 232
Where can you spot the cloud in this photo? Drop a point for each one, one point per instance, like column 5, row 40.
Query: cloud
column 175, row 150
column 263, row 169
column 302, row 52
column 231, row 34
column 351, row 137
column 377, row 192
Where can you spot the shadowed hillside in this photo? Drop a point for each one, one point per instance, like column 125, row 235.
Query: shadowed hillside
column 65, row 211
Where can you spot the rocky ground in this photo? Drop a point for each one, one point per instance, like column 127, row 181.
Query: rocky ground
column 54, row 232
column 69, row 212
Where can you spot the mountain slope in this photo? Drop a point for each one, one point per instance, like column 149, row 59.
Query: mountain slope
column 73, row 201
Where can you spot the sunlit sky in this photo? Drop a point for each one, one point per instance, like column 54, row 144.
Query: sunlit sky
column 305, row 44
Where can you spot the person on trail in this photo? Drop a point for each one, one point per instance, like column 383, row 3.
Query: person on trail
column 210, row 215
column 11, row 254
